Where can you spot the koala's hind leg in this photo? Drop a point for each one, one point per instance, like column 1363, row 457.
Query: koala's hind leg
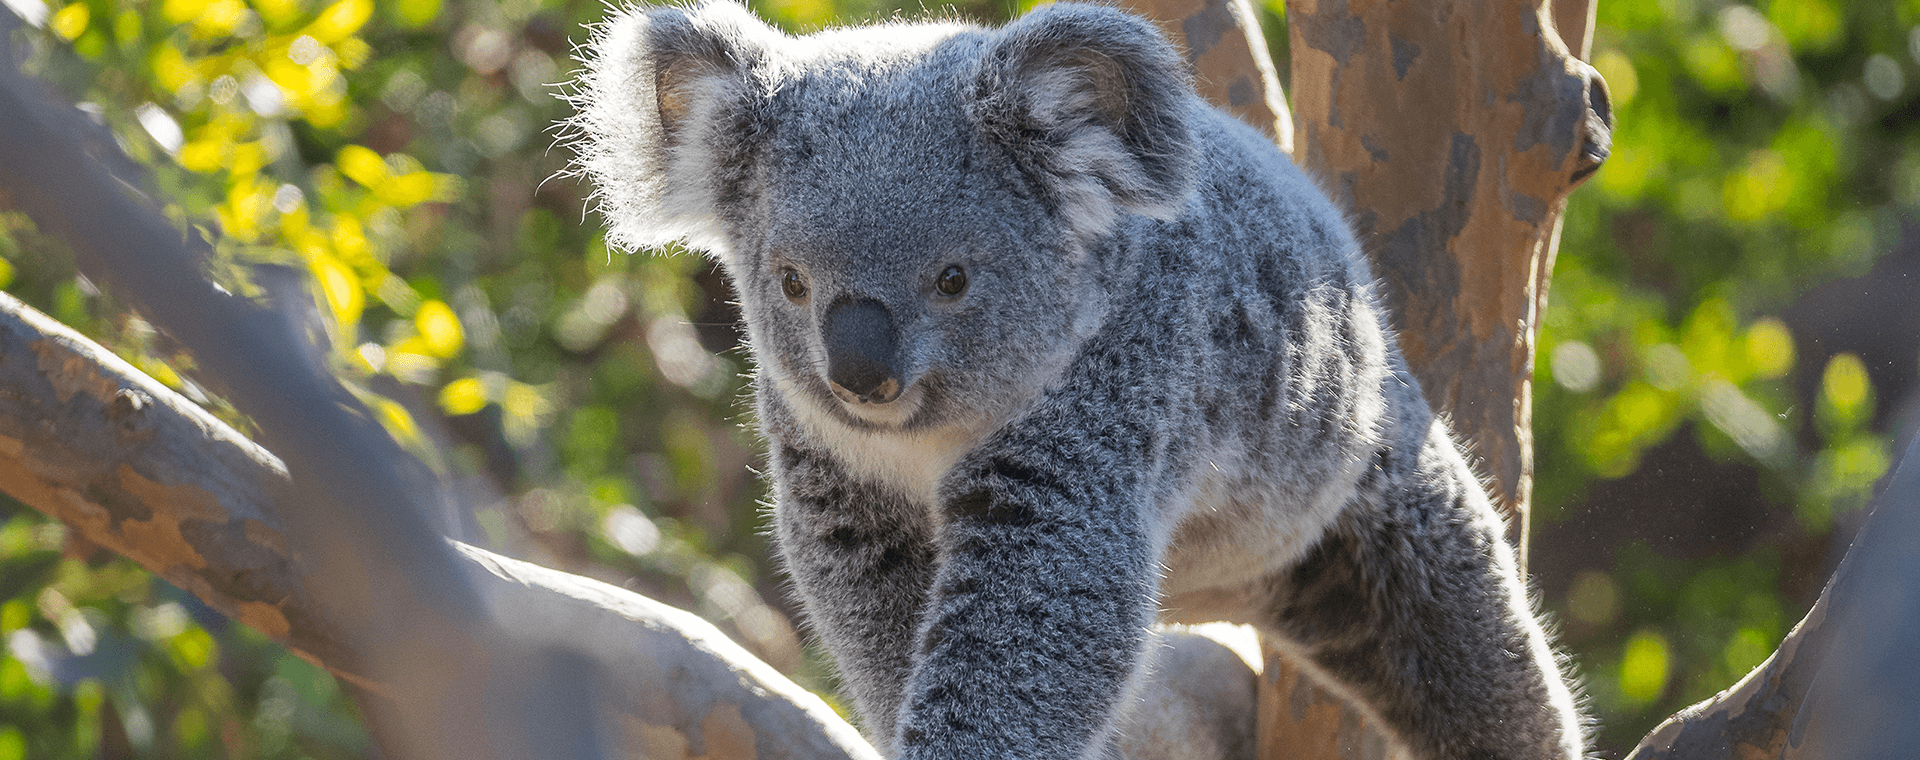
column 861, row 559
column 1411, row 604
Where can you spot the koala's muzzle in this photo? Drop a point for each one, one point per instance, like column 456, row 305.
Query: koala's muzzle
column 863, row 351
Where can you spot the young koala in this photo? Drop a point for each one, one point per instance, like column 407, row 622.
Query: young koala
column 1049, row 349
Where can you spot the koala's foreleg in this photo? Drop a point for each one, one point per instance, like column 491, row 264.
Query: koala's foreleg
column 861, row 559
column 1039, row 611
column 1412, row 605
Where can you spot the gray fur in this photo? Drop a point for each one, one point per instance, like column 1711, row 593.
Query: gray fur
column 1165, row 392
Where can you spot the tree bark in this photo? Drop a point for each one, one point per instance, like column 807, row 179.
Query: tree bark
column 133, row 466
column 1453, row 132
column 1232, row 70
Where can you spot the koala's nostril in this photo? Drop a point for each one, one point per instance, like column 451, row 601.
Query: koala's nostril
column 862, row 350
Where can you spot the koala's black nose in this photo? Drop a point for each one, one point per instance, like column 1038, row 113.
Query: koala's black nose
column 862, row 351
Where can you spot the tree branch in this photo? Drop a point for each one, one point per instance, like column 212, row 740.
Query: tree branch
column 1846, row 682
column 137, row 468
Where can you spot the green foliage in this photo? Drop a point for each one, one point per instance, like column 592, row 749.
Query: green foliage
column 398, row 154
column 1759, row 150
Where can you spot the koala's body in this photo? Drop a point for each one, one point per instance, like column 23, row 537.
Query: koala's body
column 1049, row 349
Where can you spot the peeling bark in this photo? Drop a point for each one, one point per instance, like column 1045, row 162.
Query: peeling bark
column 1454, row 132
column 132, row 466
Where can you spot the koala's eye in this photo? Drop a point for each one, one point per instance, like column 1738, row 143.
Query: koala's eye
column 952, row 281
column 792, row 284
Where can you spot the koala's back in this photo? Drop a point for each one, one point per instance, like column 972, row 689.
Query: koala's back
column 1259, row 284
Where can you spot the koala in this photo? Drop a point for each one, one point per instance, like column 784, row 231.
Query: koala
column 1049, row 350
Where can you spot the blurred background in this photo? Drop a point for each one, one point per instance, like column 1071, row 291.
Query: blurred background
column 1728, row 357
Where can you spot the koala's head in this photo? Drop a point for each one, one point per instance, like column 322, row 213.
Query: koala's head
column 918, row 217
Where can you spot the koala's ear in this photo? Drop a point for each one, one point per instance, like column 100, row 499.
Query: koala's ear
column 1093, row 105
column 660, row 106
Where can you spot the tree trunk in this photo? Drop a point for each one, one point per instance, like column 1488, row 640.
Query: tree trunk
column 1453, row 133
column 1231, row 68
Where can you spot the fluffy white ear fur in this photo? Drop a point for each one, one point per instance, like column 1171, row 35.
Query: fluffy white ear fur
column 656, row 82
column 1092, row 103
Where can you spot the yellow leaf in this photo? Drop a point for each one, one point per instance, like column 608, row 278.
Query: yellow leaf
column 126, row 27
column 439, row 328
column 353, row 51
column 247, row 203
column 182, row 11
column 277, row 13
column 307, row 242
column 218, row 18
column 1770, row 348
column 342, row 289
column 1845, row 385
column 202, row 155
column 248, row 158
column 326, row 115
column 363, row 165
column 407, row 189
column 523, row 407
column 1644, row 667
column 340, row 20
column 463, row 396
column 70, row 22
column 293, row 78
column 349, row 242
column 398, row 421
column 170, row 67
column 296, row 226
column 416, row 13
column 192, row 648
column 160, row 371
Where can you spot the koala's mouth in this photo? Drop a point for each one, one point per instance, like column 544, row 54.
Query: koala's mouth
column 881, row 393
column 881, row 406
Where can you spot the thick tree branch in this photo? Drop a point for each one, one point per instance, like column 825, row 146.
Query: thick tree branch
column 1846, row 682
column 137, row 468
